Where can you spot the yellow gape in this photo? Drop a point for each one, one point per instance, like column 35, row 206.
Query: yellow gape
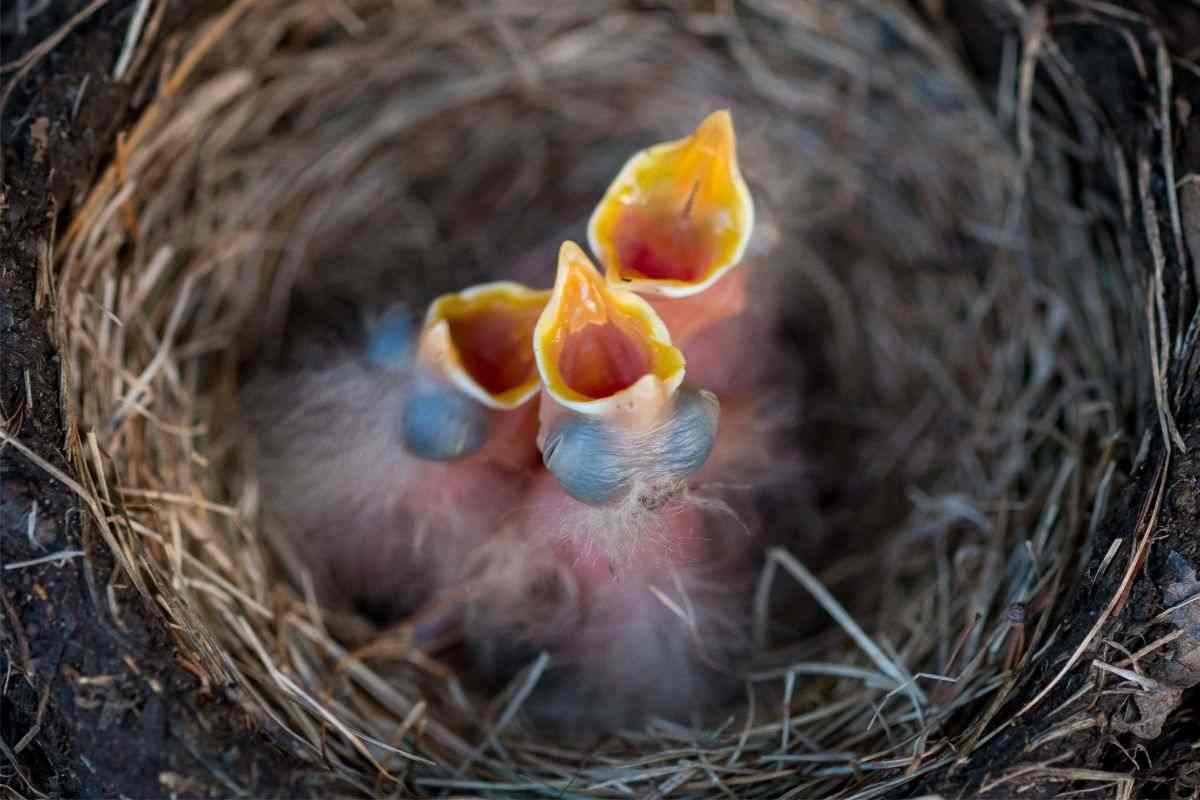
column 601, row 350
column 678, row 216
column 481, row 341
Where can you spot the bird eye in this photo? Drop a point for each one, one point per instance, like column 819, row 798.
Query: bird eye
column 587, row 459
column 440, row 424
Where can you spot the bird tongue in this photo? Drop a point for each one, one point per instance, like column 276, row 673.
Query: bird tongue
column 659, row 242
column 603, row 359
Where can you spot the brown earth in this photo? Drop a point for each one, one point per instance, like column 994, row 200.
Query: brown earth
column 94, row 700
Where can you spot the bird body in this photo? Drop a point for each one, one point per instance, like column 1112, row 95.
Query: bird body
column 387, row 466
column 374, row 524
column 650, row 624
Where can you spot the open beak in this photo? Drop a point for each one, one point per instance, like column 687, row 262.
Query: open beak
column 602, row 351
column 480, row 341
column 475, row 370
column 678, row 216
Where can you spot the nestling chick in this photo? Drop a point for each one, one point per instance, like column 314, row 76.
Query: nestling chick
column 650, row 583
column 678, row 226
column 385, row 467
column 674, row 226
column 610, row 375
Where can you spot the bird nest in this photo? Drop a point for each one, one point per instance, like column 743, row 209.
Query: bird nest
column 965, row 335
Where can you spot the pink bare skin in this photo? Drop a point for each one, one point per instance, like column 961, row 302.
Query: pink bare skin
column 626, row 652
column 378, row 529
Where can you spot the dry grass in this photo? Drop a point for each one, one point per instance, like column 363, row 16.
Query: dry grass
column 976, row 359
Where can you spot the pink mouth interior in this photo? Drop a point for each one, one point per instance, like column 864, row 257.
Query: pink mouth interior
column 601, row 360
column 496, row 347
column 662, row 245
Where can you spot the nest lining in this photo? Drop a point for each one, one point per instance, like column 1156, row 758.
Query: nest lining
column 960, row 371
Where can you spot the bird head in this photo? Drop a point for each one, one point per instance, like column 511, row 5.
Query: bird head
column 480, row 341
column 601, row 350
column 473, row 373
column 613, row 416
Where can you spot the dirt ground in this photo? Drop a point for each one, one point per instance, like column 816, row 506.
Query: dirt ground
column 94, row 700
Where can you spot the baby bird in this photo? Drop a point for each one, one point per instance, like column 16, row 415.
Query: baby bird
column 658, row 576
column 655, row 580
column 609, row 415
column 678, row 226
column 673, row 226
column 636, row 585
column 386, row 468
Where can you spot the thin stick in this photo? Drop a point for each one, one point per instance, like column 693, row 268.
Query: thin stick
column 1152, row 500
column 61, row 556
column 835, row 610
column 132, row 34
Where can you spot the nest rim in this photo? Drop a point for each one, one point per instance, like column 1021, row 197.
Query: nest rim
column 91, row 233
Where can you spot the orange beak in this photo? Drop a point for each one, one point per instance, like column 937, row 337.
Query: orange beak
column 480, row 341
column 602, row 351
column 678, row 216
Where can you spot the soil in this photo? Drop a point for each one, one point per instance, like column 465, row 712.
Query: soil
column 94, row 700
